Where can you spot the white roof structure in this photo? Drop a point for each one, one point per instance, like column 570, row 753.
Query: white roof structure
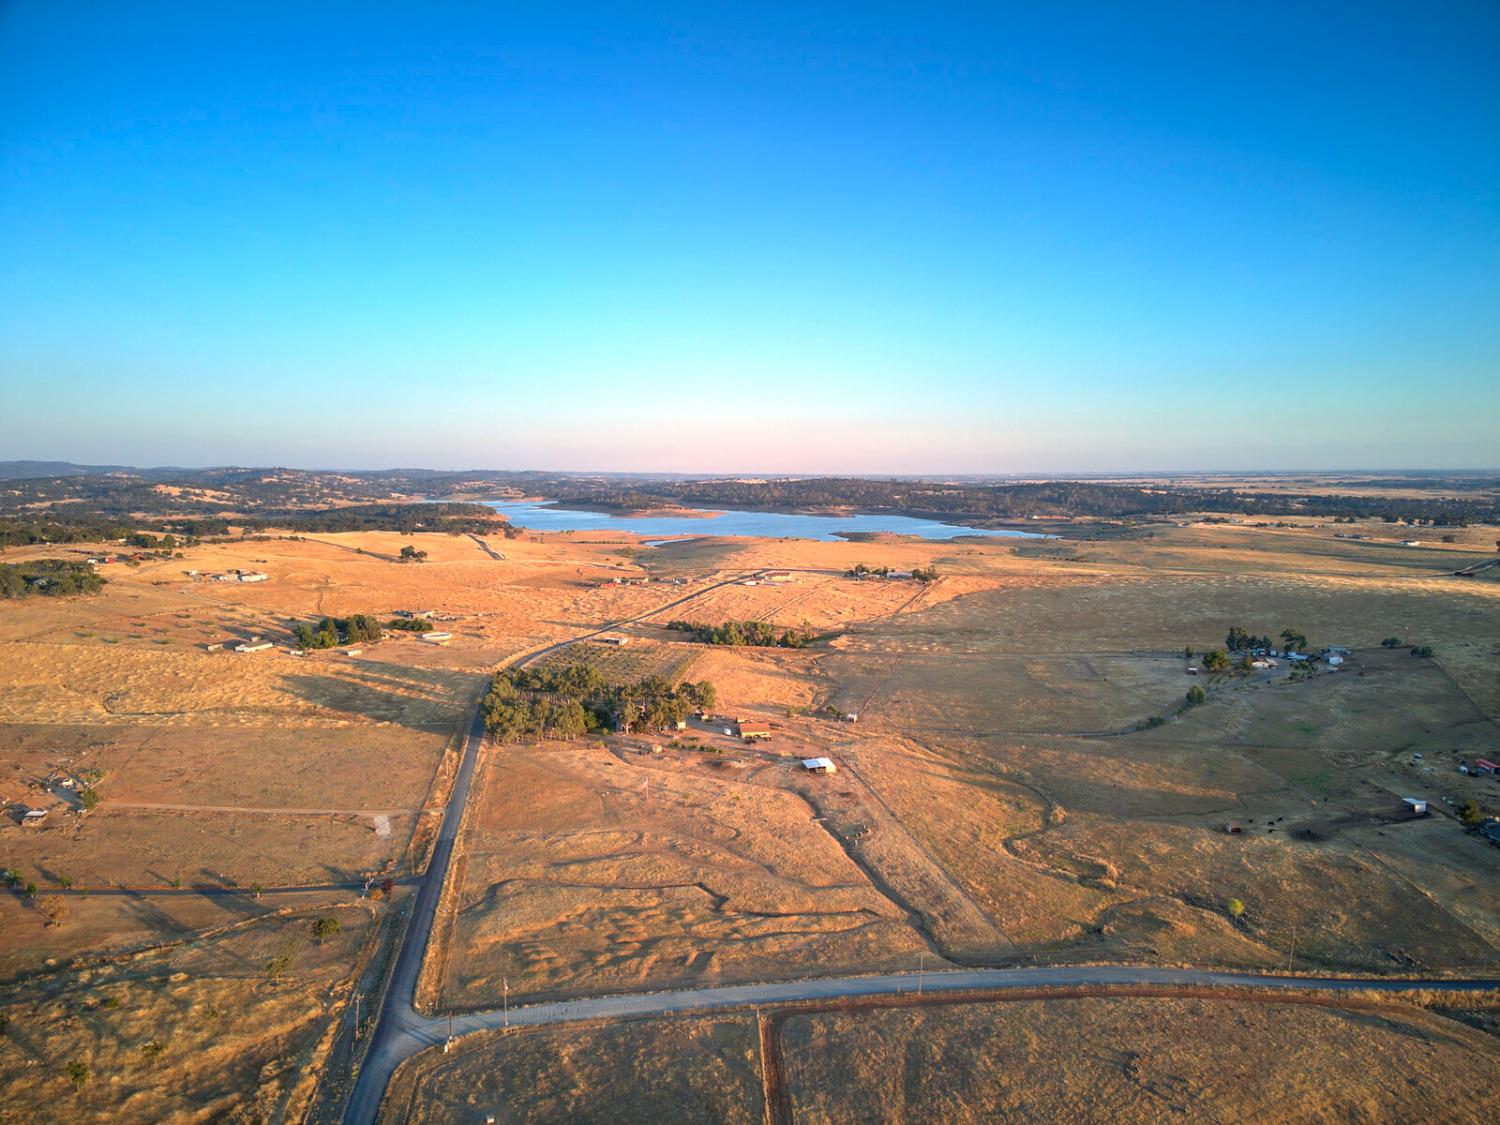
column 825, row 764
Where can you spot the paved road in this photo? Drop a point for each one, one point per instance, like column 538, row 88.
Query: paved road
column 430, row 1030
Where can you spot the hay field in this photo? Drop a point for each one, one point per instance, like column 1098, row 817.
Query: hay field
column 1137, row 1060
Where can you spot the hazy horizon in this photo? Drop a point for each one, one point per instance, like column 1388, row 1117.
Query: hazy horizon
column 814, row 241
column 877, row 473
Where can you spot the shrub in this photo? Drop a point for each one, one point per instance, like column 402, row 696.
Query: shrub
column 78, row 1074
column 1421, row 650
column 1236, row 908
column 1471, row 814
column 1195, row 696
column 1391, row 642
column 89, row 799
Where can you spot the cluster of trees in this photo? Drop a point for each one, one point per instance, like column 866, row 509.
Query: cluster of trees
column 411, row 554
column 333, row 631
column 410, row 625
column 757, row 634
column 1238, row 640
column 53, row 578
column 568, row 702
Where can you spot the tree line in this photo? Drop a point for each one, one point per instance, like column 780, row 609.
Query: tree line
column 756, row 634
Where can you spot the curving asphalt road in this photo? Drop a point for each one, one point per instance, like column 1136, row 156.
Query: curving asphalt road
column 401, row 1031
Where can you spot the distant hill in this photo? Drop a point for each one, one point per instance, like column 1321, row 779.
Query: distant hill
column 28, row 470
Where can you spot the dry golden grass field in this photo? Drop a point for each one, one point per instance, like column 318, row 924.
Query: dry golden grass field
column 1138, row 1060
column 1104, row 1059
column 1019, row 785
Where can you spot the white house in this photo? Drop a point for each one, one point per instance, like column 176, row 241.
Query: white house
column 819, row 765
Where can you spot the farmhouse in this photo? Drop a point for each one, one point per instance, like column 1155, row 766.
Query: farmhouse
column 819, row 765
column 752, row 731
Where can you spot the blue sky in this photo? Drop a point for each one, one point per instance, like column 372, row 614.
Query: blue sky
column 846, row 238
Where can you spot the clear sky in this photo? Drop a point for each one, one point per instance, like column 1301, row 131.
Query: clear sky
column 772, row 237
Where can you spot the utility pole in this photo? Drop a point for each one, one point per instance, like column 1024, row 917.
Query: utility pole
column 921, row 968
column 1292, row 952
column 505, row 999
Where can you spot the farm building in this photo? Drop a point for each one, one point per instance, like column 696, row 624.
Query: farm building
column 619, row 640
column 32, row 818
column 252, row 646
column 777, row 576
column 435, row 638
column 1484, row 767
column 1234, row 828
column 751, row 731
column 819, row 765
column 1415, row 806
column 253, row 576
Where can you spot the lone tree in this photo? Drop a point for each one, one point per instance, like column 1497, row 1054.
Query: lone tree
column 411, row 554
column 78, row 1074
column 1471, row 814
column 324, row 928
column 1196, row 695
column 1216, row 661
column 1236, row 909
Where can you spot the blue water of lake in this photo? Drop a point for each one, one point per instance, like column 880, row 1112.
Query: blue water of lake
column 541, row 516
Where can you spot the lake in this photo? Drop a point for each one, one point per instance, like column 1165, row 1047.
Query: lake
column 541, row 516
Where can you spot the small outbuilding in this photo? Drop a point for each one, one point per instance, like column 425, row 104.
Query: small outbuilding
column 619, row 640
column 1415, row 806
column 1234, row 828
column 1484, row 767
column 435, row 638
column 252, row 646
column 819, row 765
column 253, row 576
column 32, row 818
column 751, row 732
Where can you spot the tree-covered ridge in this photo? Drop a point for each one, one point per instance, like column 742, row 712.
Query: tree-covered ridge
column 1064, row 498
column 567, row 702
